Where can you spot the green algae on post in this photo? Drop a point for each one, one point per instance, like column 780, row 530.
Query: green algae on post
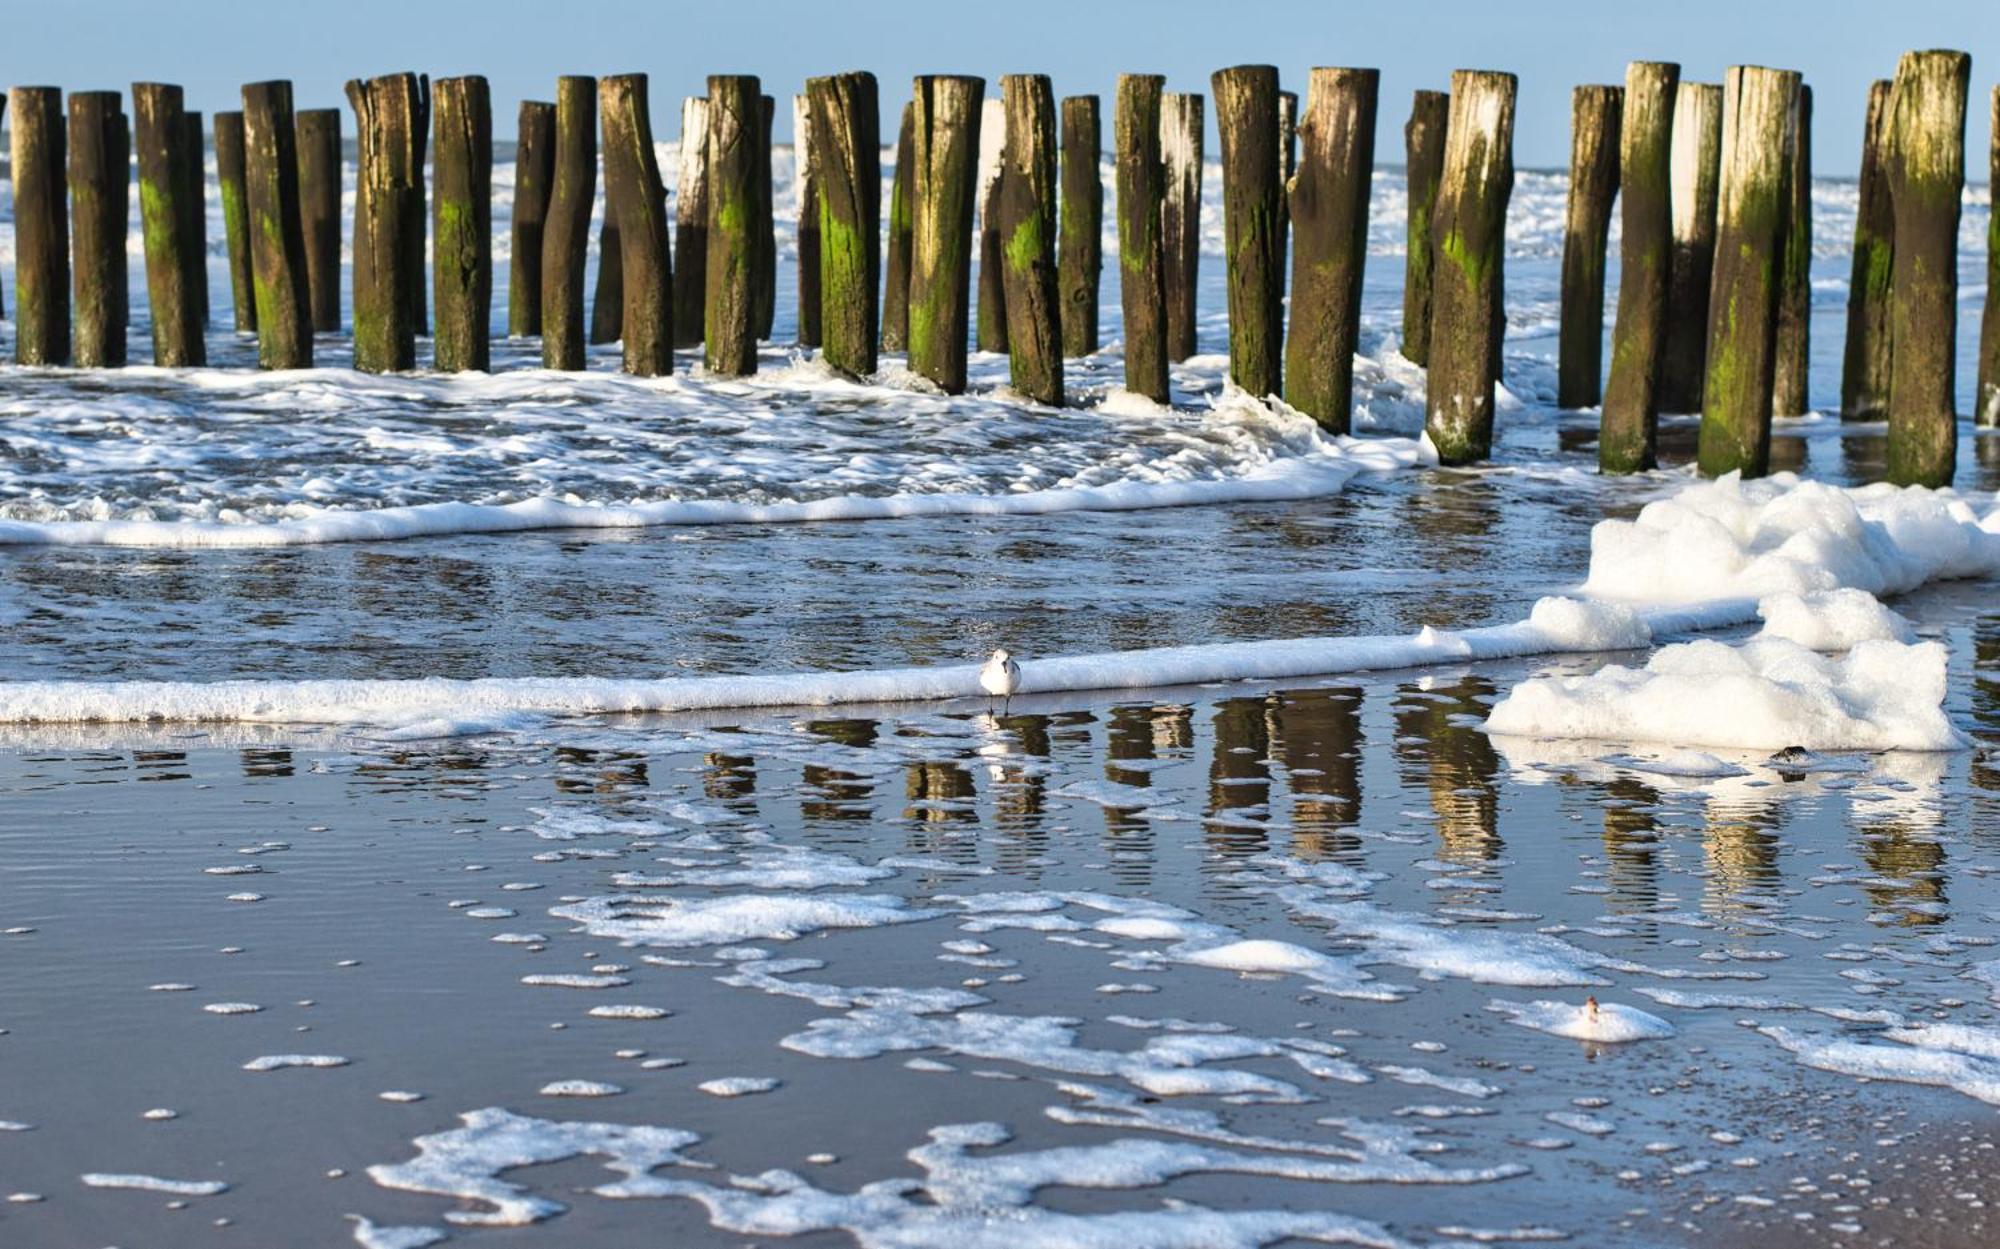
column 635, row 195
column 1423, row 147
column 1595, row 117
column 1329, row 211
column 99, row 172
column 944, row 152
column 41, row 227
column 319, row 210
column 1628, row 431
column 1864, row 372
column 1080, row 259
column 1793, row 347
column 277, row 238
column 566, row 229
column 896, row 264
column 847, row 160
column 1468, row 243
column 1246, row 117
column 462, row 233
column 1027, row 229
column 534, row 170
column 387, row 168
column 235, row 217
column 728, row 317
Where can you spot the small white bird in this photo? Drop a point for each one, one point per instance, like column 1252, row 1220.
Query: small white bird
column 1000, row 678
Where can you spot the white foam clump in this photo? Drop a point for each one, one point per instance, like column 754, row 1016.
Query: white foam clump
column 280, row 1062
column 154, row 1184
column 629, row 1012
column 580, row 1088
column 1607, row 1022
column 1765, row 694
column 1832, row 620
column 728, row 919
column 1957, row 1057
column 737, row 1086
column 371, row 1235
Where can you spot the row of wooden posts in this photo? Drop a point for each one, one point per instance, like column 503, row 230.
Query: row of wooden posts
column 1711, row 313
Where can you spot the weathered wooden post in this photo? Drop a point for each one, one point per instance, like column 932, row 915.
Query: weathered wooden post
column 277, row 237
column 1027, row 204
column 763, row 236
column 1468, row 233
column 1986, row 398
column 160, row 135
column 1246, row 116
column 1288, row 164
column 989, row 322
column 1864, row 372
column 1757, row 120
column 97, row 227
column 729, row 317
column 1696, row 163
column 534, row 171
column 607, row 302
column 1181, row 126
column 386, row 113
column 1628, row 431
column 121, row 212
column 235, row 217
column 896, row 264
column 566, row 229
column 41, row 228
column 462, row 232
column 634, row 194
column 1595, row 119
column 1423, row 146
column 944, row 153
column 691, row 222
column 1926, row 179
column 194, row 209
column 1793, row 343
column 847, row 174
column 415, row 231
column 1329, row 212
column 1141, row 261
column 806, row 240
column 319, row 204
column 1081, row 263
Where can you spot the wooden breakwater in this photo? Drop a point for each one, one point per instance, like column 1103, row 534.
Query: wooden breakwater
column 1712, row 181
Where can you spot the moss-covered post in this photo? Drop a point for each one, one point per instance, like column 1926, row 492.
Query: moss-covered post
column 194, row 209
column 989, row 321
column 160, row 135
column 1595, row 114
column 1793, row 345
column 1468, row 239
column 896, row 263
column 691, row 222
column 1864, row 370
column 235, row 218
column 847, row 168
column 729, row 316
column 1181, row 126
column 97, row 227
column 1329, row 211
column 534, row 172
column 1141, row 260
column 277, row 236
column 319, row 204
column 386, row 171
column 607, row 301
column 1423, row 147
column 1986, row 399
column 805, row 198
column 634, row 194
column 1027, row 210
column 763, row 228
column 1628, row 430
column 1080, row 264
column 944, row 154
column 1697, row 162
column 1757, row 117
column 462, row 225
column 566, row 229
column 41, row 228
column 1926, row 180
column 1246, row 118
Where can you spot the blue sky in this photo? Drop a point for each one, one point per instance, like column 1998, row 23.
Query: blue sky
column 213, row 46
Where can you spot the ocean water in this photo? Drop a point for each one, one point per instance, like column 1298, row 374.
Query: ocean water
column 1310, row 958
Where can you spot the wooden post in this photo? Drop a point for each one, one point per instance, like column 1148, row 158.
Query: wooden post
column 729, row 316
column 1793, row 347
column 691, row 222
column 1628, row 430
column 121, row 212
column 1423, row 145
column 1864, row 372
column 385, row 119
column 1595, row 120
column 277, row 236
column 634, row 194
column 1757, row 117
column 1329, row 211
column 1246, row 116
column 1181, row 126
column 763, row 236
column 462, row 232
column 1468, row 232
column 1027, row 204
column 847, row 174
column 944, row 151
column 1926, row 179
column 534, row 171
column 193, row 203
column 160, row 135
column 1288, row 164
column 97, row 227
column 607, row 301
column 235, row 217
column 41, row 228
column 1081, row 265
column 319, row 205
column 418, row 226
column 896, row 265
column 805, row 196
column 566, row 230
column 1141, row 262
column 1696, row 164
column 989, row 328
column 1986, row 399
